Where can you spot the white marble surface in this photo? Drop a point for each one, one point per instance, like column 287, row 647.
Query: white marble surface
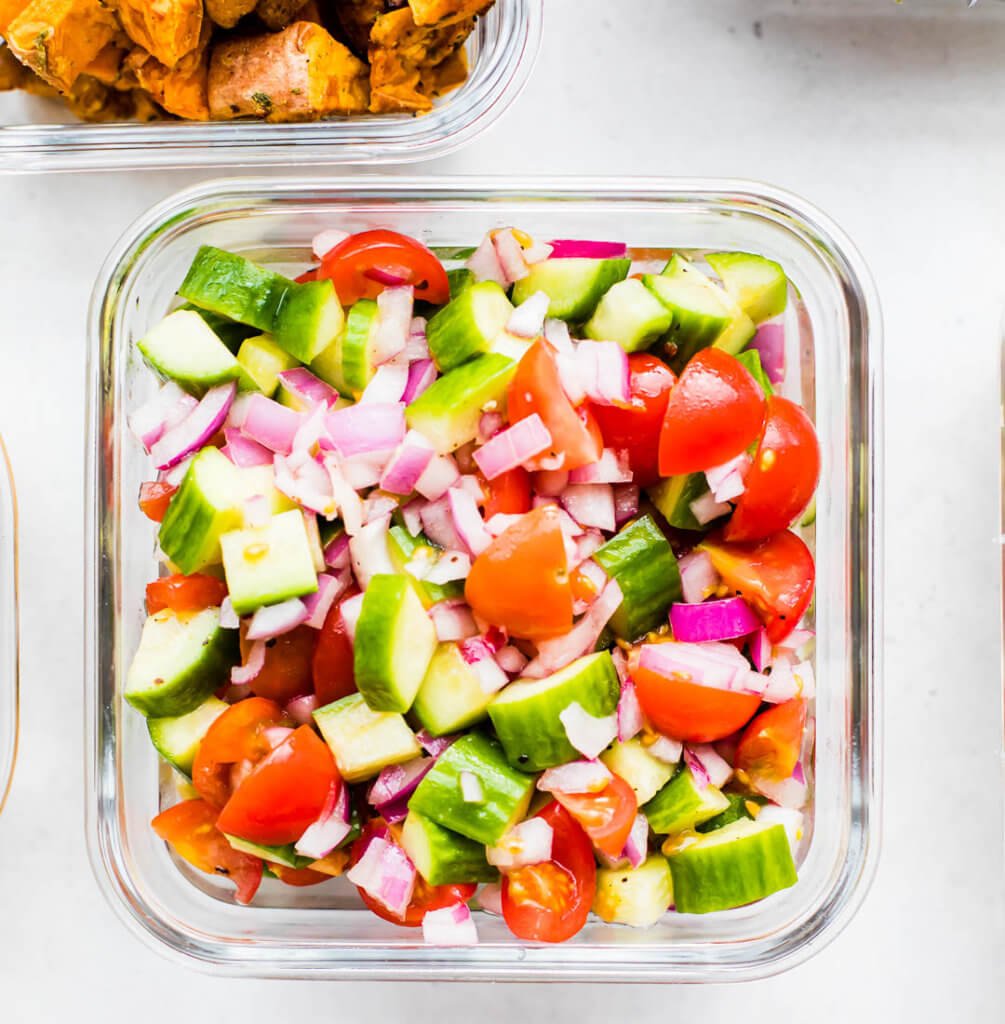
column 888, row 119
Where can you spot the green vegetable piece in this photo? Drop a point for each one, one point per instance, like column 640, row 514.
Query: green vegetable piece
column 673, row 497
column 630, row 315
column 683, row 804
column 467, row 326
column 177, row 739
column 751, row 360
column 758, row 285
column 450, row 697
column 263, row 361
column 575, row 286
column 638, row 897
column 646, row 774
column 443, row 857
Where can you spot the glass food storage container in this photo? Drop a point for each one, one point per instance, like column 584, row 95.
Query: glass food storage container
column 40, row 135
column 833, row 338
column 8, row 626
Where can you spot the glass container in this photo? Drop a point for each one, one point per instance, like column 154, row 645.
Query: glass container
column 8, row 626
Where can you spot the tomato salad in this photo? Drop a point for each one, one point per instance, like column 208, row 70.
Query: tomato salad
column 483, row 581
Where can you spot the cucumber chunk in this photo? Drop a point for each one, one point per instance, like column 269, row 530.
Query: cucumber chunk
column 308, row 320
column 450, row 697
column 646, row 774
column 348, row 364
column 673, row 497
column 641, row 560
column 183, row 348
column 394, row 643
column 507, row 791
column 682, row 804
column 574, row 285
column 734, row 866
column 448, row 411
column 443, row 857
column 459, row 278
column 403, row 547
column 230, row 332
column 268, row 564
column 285, row 855
column 638, row 897
column 364, row 741
column 468, row 324
column 758, row 285
column 739, row 808
column 182, row 658
column 205, row 506
column 630, row 315
column 177, row 739
column 751, row 360
column 263, row 361
column 526, row 714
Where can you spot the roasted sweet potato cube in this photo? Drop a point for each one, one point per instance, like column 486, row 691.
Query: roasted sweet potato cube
column 9, row 10
column 168, row 29
column 57, row 39
column 444, row 12
column 107, row 66
column 277, row 14
column 182, row 90
column 227, row 13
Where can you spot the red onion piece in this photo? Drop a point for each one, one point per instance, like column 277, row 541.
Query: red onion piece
column 527, row 320
column 717, row 770
column 590, row 505
column 637, row 844
column 665, row 749
column 449, row 926
column 368, row 551
column 760, row 649
column 394, row 323
column 331, row 827
column 307, row 388
column 271, row 424
column 510, row 254
column 319, row 604
column 407, row 464
column 587, row 733
column 388, row 383
column 511, row 659
column 480, row 656
column 501, row 522
column 513, row 447
column 228, row 617
column 789, row 793
column 717, row 665
column 438, row 477
column 386, row 874
column 572, row 248
column 725, row 619
column 468, row 521
column 166, row 409
column 796, row 639
column 276, row 619
column 390, row 278
column 398, row 780
column 438, row 525
column 337, row 552
column 575, row 777
column 244, row 452
column 557, row 334
column 325, row 241
column 452, row 620
column 434, row 745
column 196, row 429
column 176, row 474
column 451, row 565
column 246, row 673
column 611, row 468
column 706, row 509
column 361, row 429
column 301, row 710
column 600, row 370
column 484, row 263
column 630, row 719
column 726, row 481
column 626, row 503
column 411, row 514
column 770, row 344
column 490, row 898
column 537, row 252
column 697, row 576
column 529, row 842
column 421, row 374
column 350, row 609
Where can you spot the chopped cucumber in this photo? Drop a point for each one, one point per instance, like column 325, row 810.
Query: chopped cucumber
column 448, row 411
column 574, row 285
column 683, row 804
column 630, row 315
column 263, row 361
column 443, row 857
column 739, row 807
column 507, row 791
column 182, row 658
column 758, row 285
column 751, row 360
column 230, row 332
column 365, row 741
column 349, row 364
column 268, row 564
column 450, row 697
column 177, row 739
column 285, row 855
column 403, row 547
column 734, row 866
column 639, row 896
column 468, row 324
column 809, row 517
column 308, row 320
column 673, row 497
column 646, row 774
column 641, row 560
column 394, row 643
column 526, row 714
column 459, row 279
column 184, row 348
column 205, row 506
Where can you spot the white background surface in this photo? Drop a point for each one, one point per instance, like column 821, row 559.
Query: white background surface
column 891, row 120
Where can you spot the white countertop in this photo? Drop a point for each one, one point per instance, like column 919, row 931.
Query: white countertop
column 889, row 120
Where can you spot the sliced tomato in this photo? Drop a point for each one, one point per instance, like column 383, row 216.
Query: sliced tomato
column 299, row 877
column 308, row 275
column 237, row 737
column 520, row 581
column 770, row 745
column 183, row 593
column 190, row 827
column 550, row 902
column 782, row 477
column 537, row 387
column 636, row 428
column 606, row 817
column 690, row 712
column 508, row 493
column 775, row 577
column 332, row 666
column 284, row 793
column 287, row 672
column 714, row 412
column 155, row 496
column 363, row 265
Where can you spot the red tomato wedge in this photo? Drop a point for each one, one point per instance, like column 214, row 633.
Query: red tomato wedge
column 508, row 493
column 287, row 672
column 537, row 387
column 783, row 476
column 284, row 793
column 770, row 745
column 775, row 576
column 520, row 581
column 363, row 265
column 190, row 827
column 550, row 902
column 715, row 411
column 185, row 593
column 332, row 666
column 636, row 429
column 155, row 497
column 606, row 817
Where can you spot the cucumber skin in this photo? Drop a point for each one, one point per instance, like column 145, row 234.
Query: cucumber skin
column 458, row 333
column 401, row 546
column 443, row 857
column 507, row 791
column 354, row 346
column 750, row 359
column 641, row 560
column 458, row 279
column 431, row 709
column 230, row 332
column 681, row 805
column 630, row 315
column 736, row 811
column 530, row 730
column 737, row 270
column 160, row 730
column 577, row 307
column 299, row 326
column 673, row 496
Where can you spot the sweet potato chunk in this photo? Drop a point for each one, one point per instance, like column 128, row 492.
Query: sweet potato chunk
column 298, row 74
column 57, row 39
column 356, row 19
column 227, row 13
column 182, row 90
column 168, row 29
column 277, row 14
column 9, row 10
column 107, row 66
column 445, row 12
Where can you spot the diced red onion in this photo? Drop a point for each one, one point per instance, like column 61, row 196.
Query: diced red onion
column 603, row 366
column 490, row 898
column 176, row 473
column 593, row 572
column 452, row 620
column 438, row 477
column 318, row 604
column 789, row 793
column 716, row 769
column 481, row 658
column 309, row 485
column 243, row 674
column 169, row 407
column 542, row 501
column 438, row 524
column 325, row 241
column 301, row 710
column 421, row 374
column 724, row 619
column 418, row 344
column 489, row 425
column 529, row 842
column 575, row 777
column 449, row 926
column 789, row 818
column 337, row 552
column 358, row 429
column 726, row 481
column 665, row 749
column 377, row 506
column 590, row 505
column 527, row 320
column 244, row 452
column 573, row 248
column 256, row 511
column 394, row 323
column 510, row 253
column 587, row 733
column 196, row 429
column 501, row 522
column 239, row 409
column 469, row 482
column 350, row 609
column 386, row 874
column 760, row 649
column 630, row 719
column 637, row 844
column 796, row 639
column 331, row 827
column 368, row 551
column 537, row 252
column 557, row 334
column 271, row 424
column 720, row 666
column 484, row 263
column 277, row 619
column 697, row 769
column 468, row 521
column 398, row 780
column 308, row 388
column 434, row 745
column 410, row 513
column 770, row 344
column 706, row 509
column 611, row 468
column 388, row 383
column 472, row 790
column 228, row 617
column 511, row 659
column 698, row 577
column 364, row 470
column 806, row 678
column 451, row 565
column 626, row 503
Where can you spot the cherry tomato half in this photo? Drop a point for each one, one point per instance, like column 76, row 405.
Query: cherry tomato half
column 288, row 659
column 332, row 666
column 155, row 496
column 183, row 593
column 508, row 493
column 688, row 711
column 770, row 745
column 606, row 817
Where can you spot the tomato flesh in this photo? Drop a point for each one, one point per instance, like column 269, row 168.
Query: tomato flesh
column 769, row 747
column 155, row 496
column 332, row 665
column 508, row 493
column 606, row 817
column 185, row 593
column 287, row 672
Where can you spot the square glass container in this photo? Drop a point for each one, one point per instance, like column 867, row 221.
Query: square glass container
column 40, row 135
column 833, row 341
column 8, row 626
